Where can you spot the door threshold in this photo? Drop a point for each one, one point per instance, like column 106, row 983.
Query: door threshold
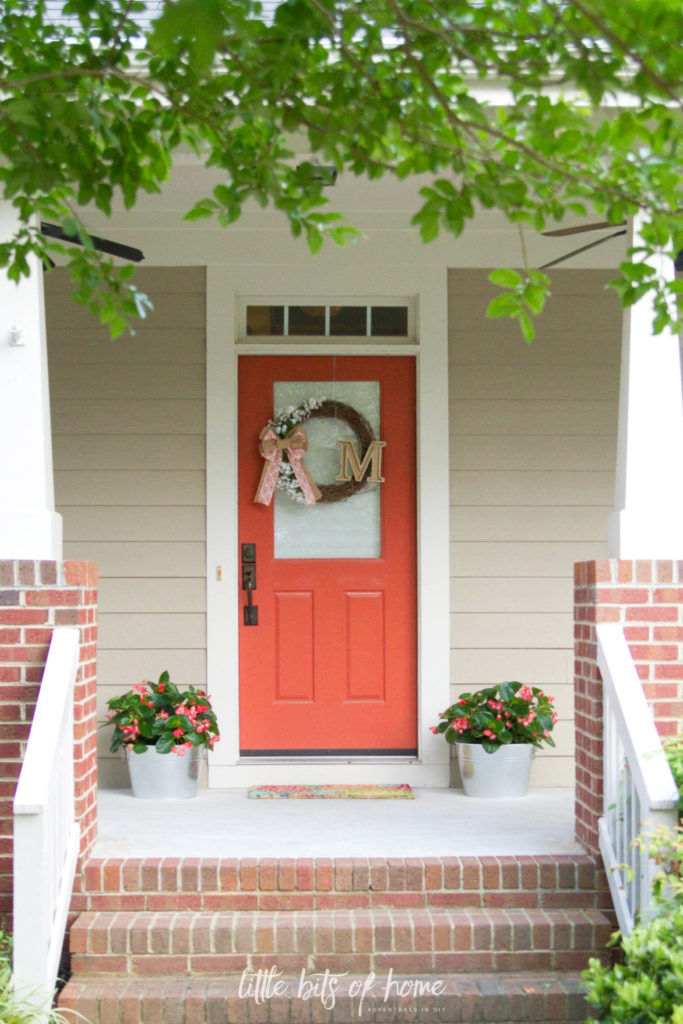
column 377, row 759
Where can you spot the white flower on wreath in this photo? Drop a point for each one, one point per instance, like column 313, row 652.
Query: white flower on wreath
column 282, row 422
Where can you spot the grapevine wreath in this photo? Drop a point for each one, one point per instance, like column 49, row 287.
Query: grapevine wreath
column 284, row 424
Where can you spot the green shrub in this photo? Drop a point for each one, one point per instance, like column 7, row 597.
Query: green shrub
column 12, row 1009
column 673, row 748
column 648, row 985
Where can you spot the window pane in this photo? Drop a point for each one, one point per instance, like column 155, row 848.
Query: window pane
column 307, row 320
column 341, row 529
column 265, row 320
column 349, row 320
column 389, row 321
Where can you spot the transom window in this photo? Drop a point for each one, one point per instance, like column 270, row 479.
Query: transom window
column 380, row 320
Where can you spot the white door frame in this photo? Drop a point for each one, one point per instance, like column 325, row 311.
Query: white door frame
column 225, row 285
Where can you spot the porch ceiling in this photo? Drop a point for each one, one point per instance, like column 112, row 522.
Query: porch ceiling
column 382, row 210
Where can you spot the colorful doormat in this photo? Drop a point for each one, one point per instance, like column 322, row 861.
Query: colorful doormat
column 400, row 792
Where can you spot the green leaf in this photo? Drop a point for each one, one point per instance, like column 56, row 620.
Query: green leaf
column 505, row 278
column 527, row 326
column 535, row 296
column 69, row 225
column 503, row 305
column 506, row 691
column 200, row 212
column 315, row 240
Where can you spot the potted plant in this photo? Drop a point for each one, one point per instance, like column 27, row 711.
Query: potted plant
column 497, row 731
column 164, row 731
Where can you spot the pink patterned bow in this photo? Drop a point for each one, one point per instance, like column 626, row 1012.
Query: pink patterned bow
column 271, row 448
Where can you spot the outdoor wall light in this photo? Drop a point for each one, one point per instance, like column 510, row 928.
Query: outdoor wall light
column 15, row 335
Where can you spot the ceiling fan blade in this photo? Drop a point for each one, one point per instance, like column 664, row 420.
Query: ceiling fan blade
column 562, row 232
column 583, row 248
column 124, row 252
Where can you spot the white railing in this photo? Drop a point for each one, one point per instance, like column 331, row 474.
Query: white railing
column 46, row 834
column 640, row 793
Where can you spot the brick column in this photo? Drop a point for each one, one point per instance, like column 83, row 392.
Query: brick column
column 34, row 598
column 646, row 597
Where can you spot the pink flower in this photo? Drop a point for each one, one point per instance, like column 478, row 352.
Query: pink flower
column 526, row 693
column 460, row 724
column 432, row 728
column 178, row 732
column 161, row 687
column 213, row 740
column 141, row 688
column 163, row 714
column 180, row 751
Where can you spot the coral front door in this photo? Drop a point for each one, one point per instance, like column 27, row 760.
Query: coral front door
column 328, row 661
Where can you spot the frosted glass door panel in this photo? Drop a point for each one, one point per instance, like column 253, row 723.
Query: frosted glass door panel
column 342, row 529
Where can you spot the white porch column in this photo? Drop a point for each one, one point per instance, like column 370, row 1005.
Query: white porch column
column 648, row 517
column 29, row 526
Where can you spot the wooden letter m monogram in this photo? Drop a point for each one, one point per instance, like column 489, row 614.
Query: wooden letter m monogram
column 350, row 464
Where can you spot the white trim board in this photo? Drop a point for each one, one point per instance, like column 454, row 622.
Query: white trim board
column 225, row 284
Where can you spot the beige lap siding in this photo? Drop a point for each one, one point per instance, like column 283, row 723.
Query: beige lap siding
column 532, row 455
column 128, row 421
column 532, row 459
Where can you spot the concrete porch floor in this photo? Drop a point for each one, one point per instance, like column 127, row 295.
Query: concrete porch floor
column 437, row 823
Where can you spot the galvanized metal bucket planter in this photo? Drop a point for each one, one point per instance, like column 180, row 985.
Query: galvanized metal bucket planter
column 503, row 774
column 155, row 776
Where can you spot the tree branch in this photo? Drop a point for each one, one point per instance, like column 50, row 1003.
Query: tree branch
column 660, row 83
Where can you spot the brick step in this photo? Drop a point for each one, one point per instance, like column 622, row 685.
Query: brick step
column 406, row 940
column 153, row 884
column 509, row 999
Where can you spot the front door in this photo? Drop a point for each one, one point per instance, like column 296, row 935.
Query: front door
column 328, row 662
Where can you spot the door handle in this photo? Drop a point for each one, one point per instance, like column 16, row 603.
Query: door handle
column 250, row 610
column 249, row 583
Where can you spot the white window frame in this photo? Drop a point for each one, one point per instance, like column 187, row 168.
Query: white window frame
column 242, row 338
